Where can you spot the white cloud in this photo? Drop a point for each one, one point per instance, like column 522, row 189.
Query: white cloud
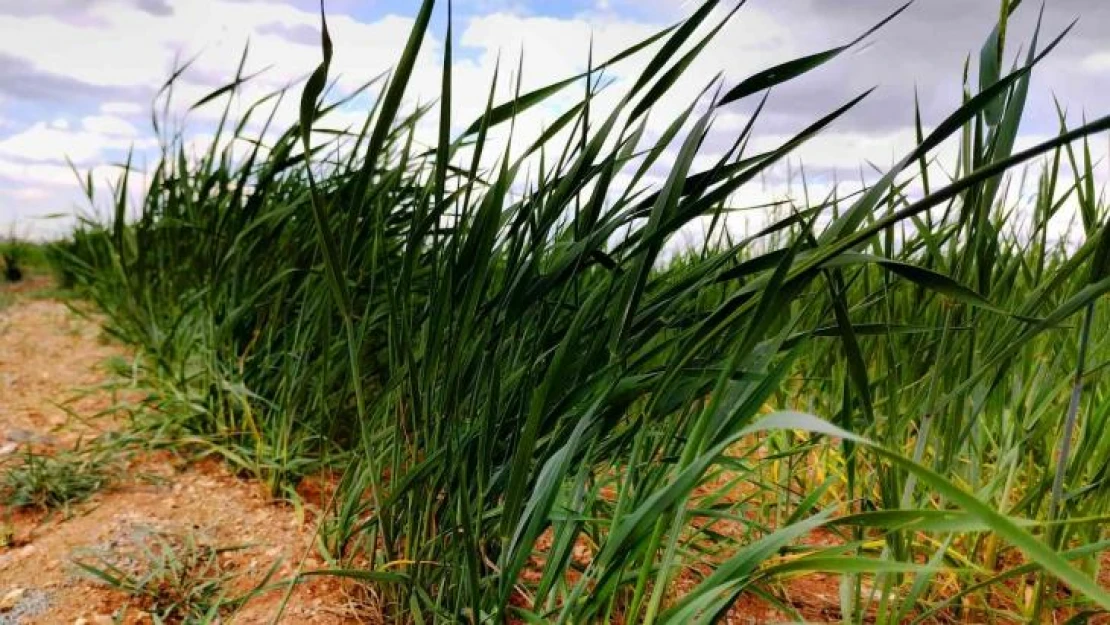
column 51, row 143
column 1097, row 63
column 30, row 194
column 37, row 174
column 121, row 108
column 118, row 45
column 109, row 126
column 832, row 149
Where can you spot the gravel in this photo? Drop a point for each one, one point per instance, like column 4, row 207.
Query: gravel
column 32, row 602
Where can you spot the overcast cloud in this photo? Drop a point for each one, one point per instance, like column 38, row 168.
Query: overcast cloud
column 77, row 76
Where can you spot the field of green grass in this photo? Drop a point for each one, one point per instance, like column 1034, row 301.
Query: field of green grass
column 538, row 411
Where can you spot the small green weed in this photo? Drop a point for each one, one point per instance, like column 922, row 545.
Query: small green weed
column 175, row 577
column 22, row 258
column 54, row 481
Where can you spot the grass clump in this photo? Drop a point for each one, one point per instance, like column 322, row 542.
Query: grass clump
column 23, row 258
column 540, row 413
column 49, row 481
column 176, row 577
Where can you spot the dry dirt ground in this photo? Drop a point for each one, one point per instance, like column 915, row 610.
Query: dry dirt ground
column 48, row 354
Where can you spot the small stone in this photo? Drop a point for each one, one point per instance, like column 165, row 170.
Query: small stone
column 25, row 551
column 81, row 621
column 103, row 619
column 19, row 435
column 12, row 599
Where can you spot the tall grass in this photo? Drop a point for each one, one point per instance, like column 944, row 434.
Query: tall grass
column 539, row 413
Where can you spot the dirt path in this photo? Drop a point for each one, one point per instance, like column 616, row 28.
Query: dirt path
column 47, row 354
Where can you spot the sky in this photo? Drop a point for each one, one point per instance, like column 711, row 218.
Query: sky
column 77, row 77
